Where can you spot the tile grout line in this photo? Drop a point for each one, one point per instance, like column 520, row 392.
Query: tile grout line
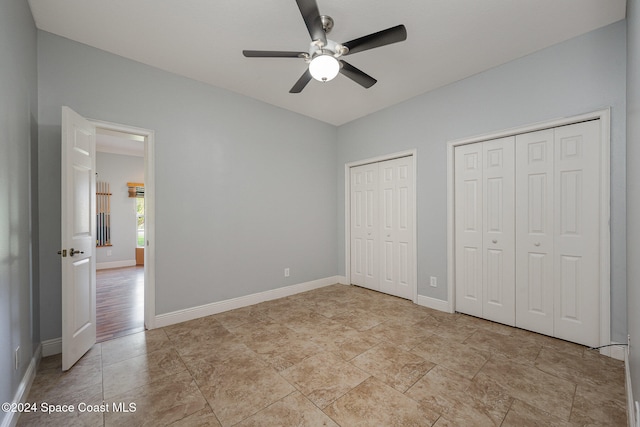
column 513, row 399
column 192, row 378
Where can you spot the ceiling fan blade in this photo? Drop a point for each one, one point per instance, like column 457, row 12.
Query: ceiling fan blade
column 301, row 83
column 272, row 54
column 358, row 76
column 381, row 38
column 311, row 16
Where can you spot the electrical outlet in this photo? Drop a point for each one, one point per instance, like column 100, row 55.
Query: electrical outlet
column 17, row 358
column 433, row 282
column 108, row 252
column 286, row 272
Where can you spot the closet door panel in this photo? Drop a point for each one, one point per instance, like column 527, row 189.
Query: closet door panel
column 468, row 228
column 387, row 190
column 364, row 226
column 534, row 229
column 577, row 199
column 498, row 286
column 404, row 232
column 358, row 242
column 396, row 189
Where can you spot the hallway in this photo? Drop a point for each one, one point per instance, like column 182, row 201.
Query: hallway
column 119, row 302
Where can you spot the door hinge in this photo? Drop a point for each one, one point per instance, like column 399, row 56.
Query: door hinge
column 63, row 253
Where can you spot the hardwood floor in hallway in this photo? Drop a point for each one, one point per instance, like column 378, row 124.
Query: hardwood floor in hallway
column 119, row 302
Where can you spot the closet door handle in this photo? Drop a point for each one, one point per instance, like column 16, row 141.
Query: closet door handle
column 495, row 241
column 537, row 243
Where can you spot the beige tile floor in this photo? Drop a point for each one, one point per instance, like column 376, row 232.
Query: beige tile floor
column 335, row 356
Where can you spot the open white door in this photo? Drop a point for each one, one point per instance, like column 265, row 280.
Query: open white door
column 78, row 237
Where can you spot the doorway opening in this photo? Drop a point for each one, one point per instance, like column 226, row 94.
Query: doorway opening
column 124, row 264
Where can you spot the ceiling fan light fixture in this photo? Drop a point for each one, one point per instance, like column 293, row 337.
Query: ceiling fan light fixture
column 323, row 55
column 324, row 67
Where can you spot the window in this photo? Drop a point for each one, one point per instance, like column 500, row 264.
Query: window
column 140, row 221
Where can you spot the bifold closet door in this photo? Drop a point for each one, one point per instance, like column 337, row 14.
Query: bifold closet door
column 468, row 228
column 382, row 206
column 535, row 231
column 485, row 252
column 498, row 263
column 527, row 230
column 557, row 232
column 364, row 226
column 577, row 233
column 396, row 227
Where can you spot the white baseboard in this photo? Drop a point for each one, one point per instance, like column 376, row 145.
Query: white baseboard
column 11, row 418
column 436, row 304
column 617, row 352
column 179, row 316
column 116, row 264
column 342, row 280
column 51, row 347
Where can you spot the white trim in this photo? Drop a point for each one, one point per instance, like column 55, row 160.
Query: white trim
column 616, row 351
column 51, row 347
column 347, row 211
column 179, row 316
column 451, row 248
column 436, row 304
column 631, row 412
column 149, row 222
column 605, row 259
column 605, row 230
column 342, row 280
column 603, row 114
column 115, row 264
column 11, row 419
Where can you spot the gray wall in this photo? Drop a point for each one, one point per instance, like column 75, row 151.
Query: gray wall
column 633, row 189
column 243, row 189
column 268, row 182
column 18, row 133
column 117, row 170
column 581, row 75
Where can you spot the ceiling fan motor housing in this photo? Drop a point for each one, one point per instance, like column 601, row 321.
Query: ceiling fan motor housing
column 331, row 48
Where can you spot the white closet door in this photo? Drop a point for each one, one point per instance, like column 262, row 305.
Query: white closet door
column 535, row 231
column 364, row 226
column 577, row 219
column 498, row 290
column 396, row 227
column 468, row 228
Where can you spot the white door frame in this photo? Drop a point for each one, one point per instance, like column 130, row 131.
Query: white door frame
column 149, row 214
column 347, row 212
column 605, row 236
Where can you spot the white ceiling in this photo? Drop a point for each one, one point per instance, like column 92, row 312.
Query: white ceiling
column 448, row 40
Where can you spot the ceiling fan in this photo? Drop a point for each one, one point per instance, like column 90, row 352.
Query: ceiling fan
column 324, row 55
